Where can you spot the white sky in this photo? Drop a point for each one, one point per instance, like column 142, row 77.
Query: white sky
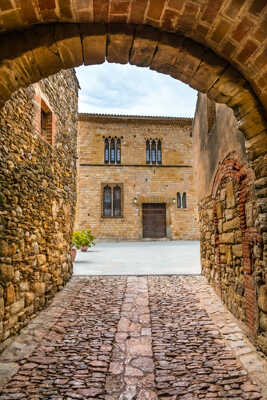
column 126, row 89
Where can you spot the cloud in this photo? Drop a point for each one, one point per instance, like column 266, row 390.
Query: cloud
column 126, row 89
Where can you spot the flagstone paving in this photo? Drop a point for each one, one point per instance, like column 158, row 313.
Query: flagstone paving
column 133, row 338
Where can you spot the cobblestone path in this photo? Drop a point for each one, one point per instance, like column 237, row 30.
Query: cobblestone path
column 132, row 338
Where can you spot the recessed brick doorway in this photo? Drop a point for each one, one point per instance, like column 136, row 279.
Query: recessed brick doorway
column 154, row 220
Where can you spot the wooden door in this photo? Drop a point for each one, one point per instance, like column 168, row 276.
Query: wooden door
column 154, row 220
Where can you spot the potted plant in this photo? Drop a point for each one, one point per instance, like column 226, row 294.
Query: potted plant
column 82, row 240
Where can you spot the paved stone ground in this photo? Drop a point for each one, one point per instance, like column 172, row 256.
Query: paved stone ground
column 133, row 338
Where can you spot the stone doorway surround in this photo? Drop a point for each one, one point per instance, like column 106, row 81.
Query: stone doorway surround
column 154, row 220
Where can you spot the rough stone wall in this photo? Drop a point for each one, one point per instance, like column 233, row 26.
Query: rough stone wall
column 149, row 184
column 232, row 240
column 37, row 199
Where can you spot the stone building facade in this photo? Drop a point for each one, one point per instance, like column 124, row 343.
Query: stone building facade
column 232, row 240
column 37, row 196
column 135, row 177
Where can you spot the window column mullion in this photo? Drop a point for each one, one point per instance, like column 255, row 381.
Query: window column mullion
column 109, row 150
column 112, row 194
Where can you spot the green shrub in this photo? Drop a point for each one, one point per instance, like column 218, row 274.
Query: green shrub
column 82, row 238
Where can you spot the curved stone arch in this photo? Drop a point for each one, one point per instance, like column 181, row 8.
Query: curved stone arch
column 231, row 168
column 234, row 30
column 32, row 55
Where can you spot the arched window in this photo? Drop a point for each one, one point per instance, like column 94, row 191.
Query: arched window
column 159, row 155
column 153, row 152
column 148, row 159
column 118, row 152
column 112, row 151
column 179, row 200
column 106, row 152
column 116, row 201
column 184, row 205
column 107, row 201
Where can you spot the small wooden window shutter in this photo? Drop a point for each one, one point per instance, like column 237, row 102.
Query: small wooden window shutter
column 179, row 201
column 159, row 154
column 117, row 201
column 118, row 152
column 112, row 151
column 148, row 159
column 107, row 201
column 153, row 152
column 184, row 200
column 106, row 152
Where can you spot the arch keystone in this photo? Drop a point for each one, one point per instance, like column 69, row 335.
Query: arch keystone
column 257, row 146
column 120, row 39
column 243, row 102
column 94, row 42
column 208, row 71
column 44, row 49
column 252, row 123
column 228, row 85
column 144, row 46
column 69, row 45
column 167, row 52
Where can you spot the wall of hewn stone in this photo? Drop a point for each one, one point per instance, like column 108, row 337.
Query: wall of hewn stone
column 37, row 199
column 232, row 233
column 146, row 183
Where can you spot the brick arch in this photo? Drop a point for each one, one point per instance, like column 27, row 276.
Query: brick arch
column 231, row 169
column 235, row 30
column 34, row 54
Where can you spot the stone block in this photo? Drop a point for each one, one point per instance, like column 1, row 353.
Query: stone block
column 237, row 250
column 229, row 214
column 257, row 145
column 262, row 298
column 167, row 52
column 227, row 238
column 249, row 214
column 6, row 272
column 137, row 12
column 39, row 288
column 230, row 195
column 155, row 9
column 24, row 286
column 68, row 41
column 4, row 248
column 208, row 72
column 16, row 307
column 229, row 84
column 94, row 42
column 45, row 51
column 120, row 39
column 263, row 321
column 29, row 297
column 231, row 225
column 252, row 123
column 144, row 45
column 262, row 343
column 228, row 254
column 10, row 294
column 41, row 259
column 219, row 209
